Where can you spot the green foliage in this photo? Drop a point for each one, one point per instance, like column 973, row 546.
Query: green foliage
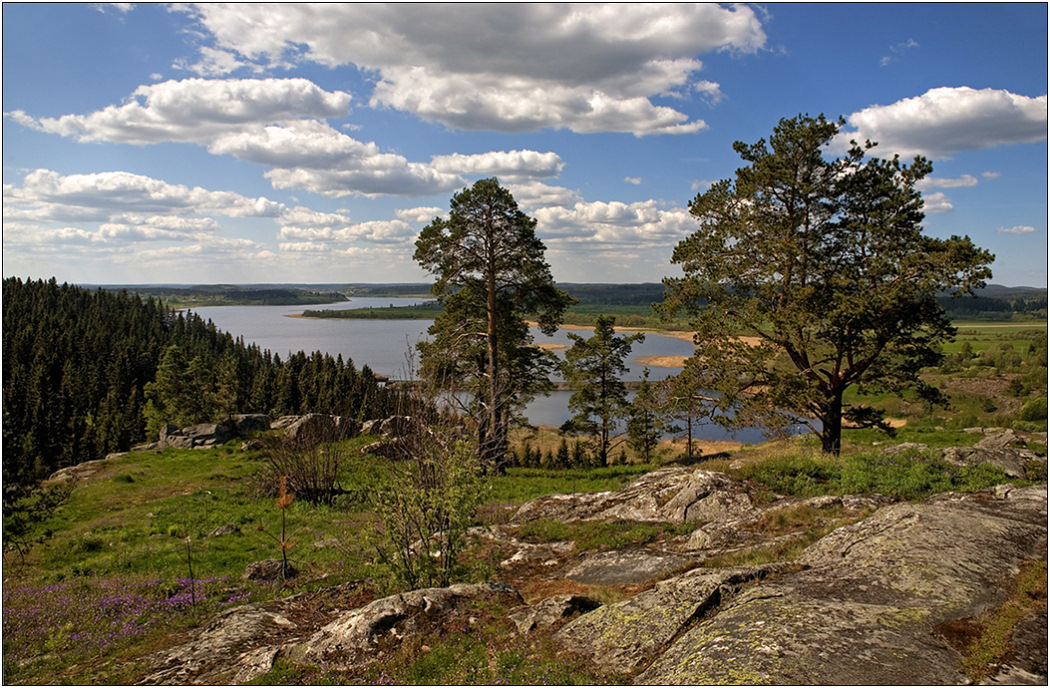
column 491, row 275
column 912, row 476
column 594, row 367
column 825, row 265
column 86, row 372
column 521, row 484
column 648, row 420
column 1034, row 409
column 426, row 495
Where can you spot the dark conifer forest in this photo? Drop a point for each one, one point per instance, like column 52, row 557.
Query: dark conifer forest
column 86, row 373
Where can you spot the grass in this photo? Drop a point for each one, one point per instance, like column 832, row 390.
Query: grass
column 985, row 642
column 914, row 475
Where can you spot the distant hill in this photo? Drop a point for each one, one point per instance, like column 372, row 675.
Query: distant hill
column 994, row 302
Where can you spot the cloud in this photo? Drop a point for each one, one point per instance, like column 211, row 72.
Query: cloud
column 935, row 203
column 420, row 214
column 1019, row 229
column 280, row 123
column 510, row 166
column 633, row 180
column 505, row 67
column 199, row 110
column 991, row 175
column 945, row 121
column 942, row 183
column 897, row 50
column 46, row 196
column 642, row 224
column 213, row 63
column 534, row 195
column 374, row 231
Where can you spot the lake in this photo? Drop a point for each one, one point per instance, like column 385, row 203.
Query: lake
column 385, row 347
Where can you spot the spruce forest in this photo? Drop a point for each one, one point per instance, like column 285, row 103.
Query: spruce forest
column 87, row 373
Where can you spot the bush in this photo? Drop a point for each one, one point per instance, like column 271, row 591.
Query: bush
column 1034, row 409
column 427, row 496
column 799, row 476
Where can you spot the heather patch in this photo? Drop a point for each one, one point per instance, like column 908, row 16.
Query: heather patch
column 85, row 619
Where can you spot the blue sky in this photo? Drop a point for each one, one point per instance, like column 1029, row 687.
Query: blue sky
column 290, row 143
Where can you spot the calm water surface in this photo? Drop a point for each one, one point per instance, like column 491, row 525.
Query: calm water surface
column 385, row 345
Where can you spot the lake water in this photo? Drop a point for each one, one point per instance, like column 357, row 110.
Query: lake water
column 385, row 346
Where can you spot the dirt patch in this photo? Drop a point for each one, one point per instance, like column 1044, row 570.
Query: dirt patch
column 664, row 361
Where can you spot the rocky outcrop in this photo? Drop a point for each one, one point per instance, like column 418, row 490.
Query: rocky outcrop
column 864, row 608
column 354, row 637
column 201, row 436
column 624, row 637
column 866, row 604
column 551, row 612
column 674, row 495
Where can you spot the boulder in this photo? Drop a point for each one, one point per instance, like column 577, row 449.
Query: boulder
column 354, row 638
column 1003, row 439
column 268, row 570
column 1014, row 462
column 237, row 642
column 313, row 425
column 228, row 529
column 248, row 423
column 201, row 436
column 551, row 612
column 864, row 608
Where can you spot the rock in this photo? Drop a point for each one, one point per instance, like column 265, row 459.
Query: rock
column 201, row 436
column 620, row 567
column 551, row 611
column 248, row 423
column 905, row 448
column 217, row 649
column 671, row 495
column 81, row 471
column 1012, row 461
column 354, row 637
column 312, row 425
column 1005, row 439
column 395, row 426
column 623, row 637
column 863, row 610
column 228, row 529
column 283, row 422
column 268, row 570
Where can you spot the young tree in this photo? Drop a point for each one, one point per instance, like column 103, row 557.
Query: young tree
column 594, row 367
column 648, row 419
column 809, row 276
column 491, row 275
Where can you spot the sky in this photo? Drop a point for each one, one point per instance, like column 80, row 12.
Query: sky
column 290, row 143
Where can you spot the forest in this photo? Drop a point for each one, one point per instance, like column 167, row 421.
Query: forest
column 87, row 373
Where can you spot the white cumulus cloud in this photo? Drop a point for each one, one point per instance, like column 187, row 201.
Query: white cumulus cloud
column 935, row 203
column 510, row 166
column 1018, row 229
column 945, row 121
column 505, row 67
column 942, row 183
